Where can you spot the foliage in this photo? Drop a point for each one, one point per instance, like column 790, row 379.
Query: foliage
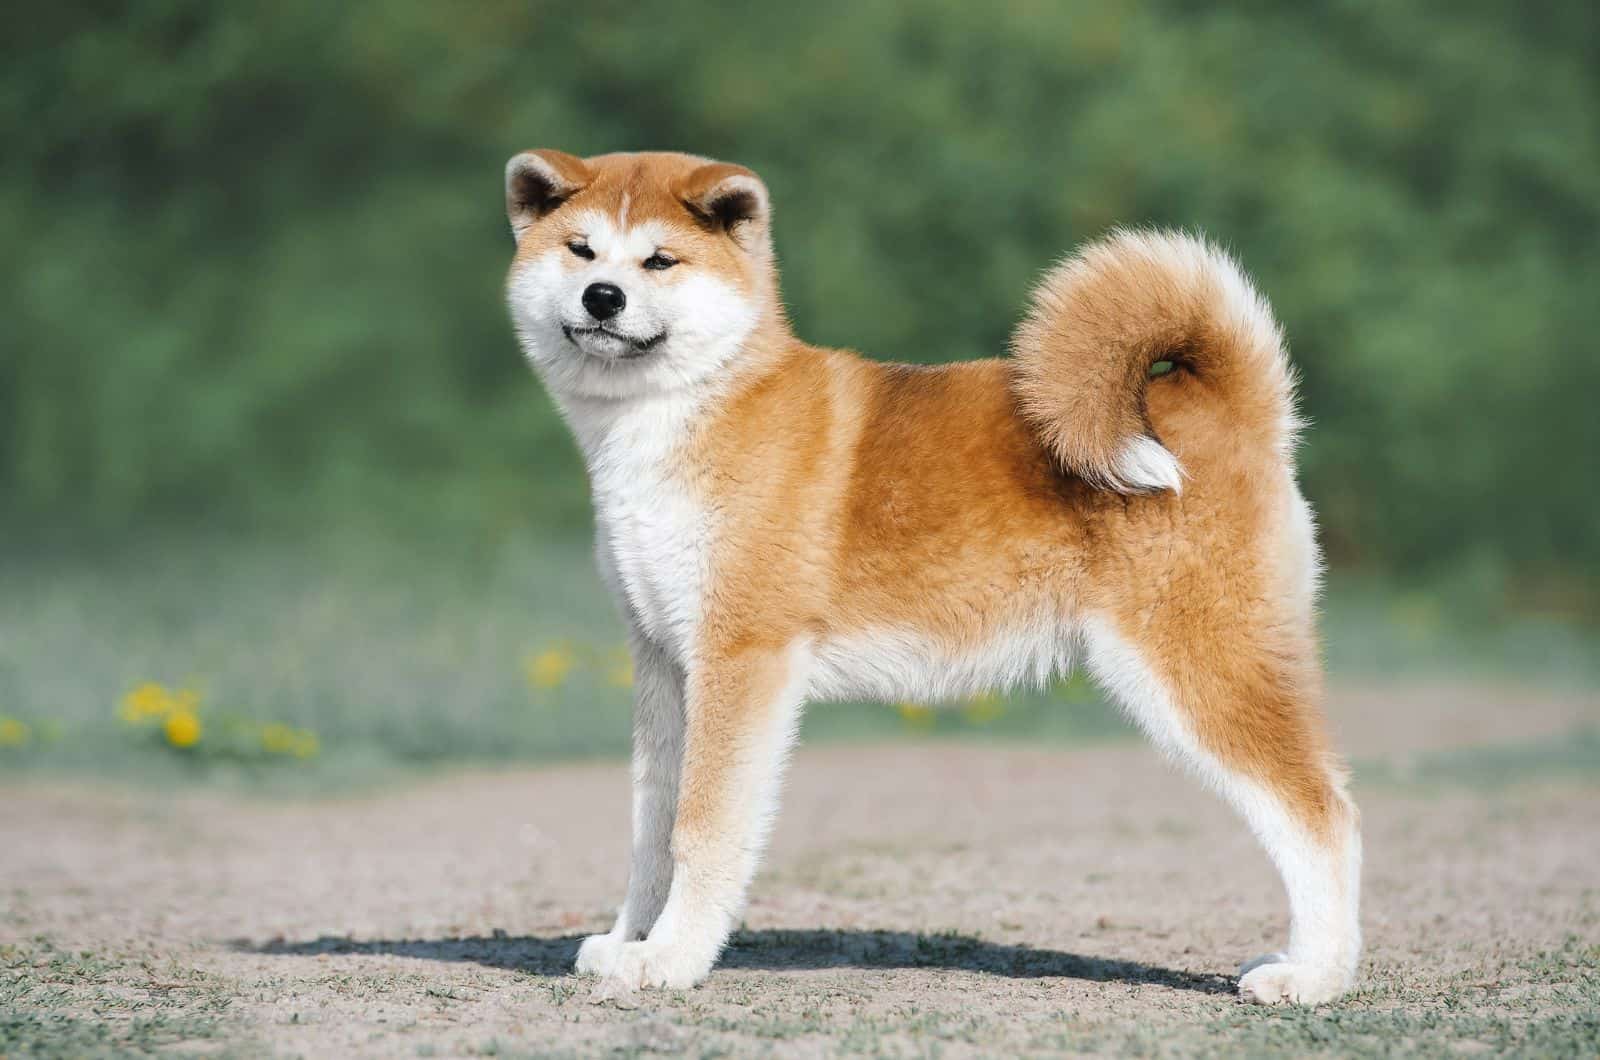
column 343, row 664
column 256, row 249
column 182, row 725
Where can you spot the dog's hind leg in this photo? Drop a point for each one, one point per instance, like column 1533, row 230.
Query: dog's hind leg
column 1238, row 708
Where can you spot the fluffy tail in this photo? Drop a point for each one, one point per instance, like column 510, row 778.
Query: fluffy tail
column 1104, row 316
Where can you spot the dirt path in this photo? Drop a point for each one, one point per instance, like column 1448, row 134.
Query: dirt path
column 919, row 899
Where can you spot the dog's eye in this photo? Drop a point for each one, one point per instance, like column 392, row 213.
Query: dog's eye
column 580, row 248
column 659, row 260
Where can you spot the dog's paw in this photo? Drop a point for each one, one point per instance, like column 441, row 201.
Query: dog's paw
column 1276, row 980
column 657, row 964
column 597, row 954
column 1266, row 958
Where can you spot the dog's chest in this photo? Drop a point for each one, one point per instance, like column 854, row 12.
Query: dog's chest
column 652, row 534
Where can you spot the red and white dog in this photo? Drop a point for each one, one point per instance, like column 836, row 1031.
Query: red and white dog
column 782, row 523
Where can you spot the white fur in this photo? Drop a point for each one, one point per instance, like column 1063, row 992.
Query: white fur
column 705, row 319
column 1323, row 881
column 1145, row 464
column 632, row 416
column 658, row 731
column 895, row 664
column 652, row 538
column 652, row 546
column 708, row 890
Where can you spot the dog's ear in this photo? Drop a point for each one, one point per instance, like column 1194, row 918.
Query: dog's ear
column 730, row 199
column 539, row 181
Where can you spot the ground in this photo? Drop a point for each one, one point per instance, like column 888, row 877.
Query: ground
column 923, row 898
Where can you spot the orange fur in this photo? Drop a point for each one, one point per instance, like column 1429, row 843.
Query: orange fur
column 850, row 496
column 856, row 494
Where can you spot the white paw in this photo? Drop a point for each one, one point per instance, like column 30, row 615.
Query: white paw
column 1266, row 958
column 597, row 954
column 1275, row 980
column 659, row 964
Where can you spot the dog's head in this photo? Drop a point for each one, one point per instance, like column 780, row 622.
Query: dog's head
column 636, row 273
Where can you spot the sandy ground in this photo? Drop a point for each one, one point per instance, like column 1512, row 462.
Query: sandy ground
column 932, row 899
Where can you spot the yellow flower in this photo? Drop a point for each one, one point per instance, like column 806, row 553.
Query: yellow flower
column 182, row 728
column 619, row 669
column 277, row 739
column 154, row 700
column 145, row 701
column 915, row 714
column 980, row 710
column 306, row 744
column 14, row 733
column 549, row 668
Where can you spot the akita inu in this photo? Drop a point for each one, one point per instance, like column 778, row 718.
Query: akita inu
column 781, row 523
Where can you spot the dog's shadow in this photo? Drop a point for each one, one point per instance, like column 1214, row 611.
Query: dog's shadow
column 780, row 951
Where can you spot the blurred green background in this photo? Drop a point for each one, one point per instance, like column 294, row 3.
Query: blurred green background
column 265, row 433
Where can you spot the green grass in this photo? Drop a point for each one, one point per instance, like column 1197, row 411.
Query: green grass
column 57, row 1003
column 1546, row 1004
column 405, row 652
column 1558, row 1016
column 1534, row 1004
column 1374, row 631
column 1576, row 755
column 394, row 656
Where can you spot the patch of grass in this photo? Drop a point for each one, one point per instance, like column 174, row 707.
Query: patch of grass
column 1575, row 756
column 1388, row 1032
column 401, row 654
column 1546, row 1005
column 396, row 655
column 57, row 1003
column 1372, row 630
column 27, row 1032
column 1559, row 1017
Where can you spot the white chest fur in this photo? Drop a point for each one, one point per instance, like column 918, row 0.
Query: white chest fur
column 652, row 536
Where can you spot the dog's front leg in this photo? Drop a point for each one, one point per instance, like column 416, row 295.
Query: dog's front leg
column 741, row 709
column 657, row 757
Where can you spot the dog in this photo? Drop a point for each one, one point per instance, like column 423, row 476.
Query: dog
column 782, row 523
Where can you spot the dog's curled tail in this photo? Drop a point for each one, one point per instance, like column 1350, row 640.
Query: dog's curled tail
column 1103, row 318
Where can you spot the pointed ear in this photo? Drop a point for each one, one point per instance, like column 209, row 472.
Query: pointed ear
column 730, row 199
column 539, row 181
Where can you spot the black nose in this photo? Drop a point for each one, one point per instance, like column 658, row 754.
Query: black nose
column 603, row 300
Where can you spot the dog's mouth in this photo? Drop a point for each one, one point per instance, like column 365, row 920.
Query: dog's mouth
column 629, row 347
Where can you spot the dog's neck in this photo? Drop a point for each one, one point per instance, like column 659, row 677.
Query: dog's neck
column 618, row 430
